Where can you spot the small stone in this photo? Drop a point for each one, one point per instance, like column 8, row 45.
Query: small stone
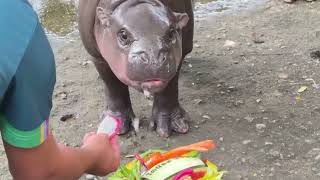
column 245, row 142
column 221, row 139
column 249, row 119
column 274, row 153
column 283, row 76
column 239, row 102
column 66, row 117
column 196, row 45
column 290, row 155
column 196, row 126
column 231, row 88
column 190, row 65
column 66, row 58
column 219, row 85
column 63, row 95
column 85, row 63
column 243, row 160
column 206, row 117
column 277, row 164
column 198, row 101
column 268, row 143
column 229, row 44
column 202, row 121
column 272, row 169
column 260, row 127
column 258, row 100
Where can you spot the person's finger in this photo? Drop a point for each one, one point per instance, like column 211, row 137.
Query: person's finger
column 116, row 151
column 88, row 135
column 115, row 144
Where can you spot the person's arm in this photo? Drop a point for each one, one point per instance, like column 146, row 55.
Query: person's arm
column 52, row 161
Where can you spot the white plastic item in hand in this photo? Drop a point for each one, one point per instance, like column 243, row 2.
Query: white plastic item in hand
column 110, row 126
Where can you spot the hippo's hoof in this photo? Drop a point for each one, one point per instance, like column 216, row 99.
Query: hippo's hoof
column 164, row 121
column 180, row 120
column 125, row 119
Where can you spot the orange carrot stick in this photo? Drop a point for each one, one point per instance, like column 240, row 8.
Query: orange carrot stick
column 157, row 158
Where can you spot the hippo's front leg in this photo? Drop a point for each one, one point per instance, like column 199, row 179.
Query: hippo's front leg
column 117, row 96
column 167, row 113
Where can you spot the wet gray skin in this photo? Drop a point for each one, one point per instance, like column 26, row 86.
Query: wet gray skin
column 141, row 44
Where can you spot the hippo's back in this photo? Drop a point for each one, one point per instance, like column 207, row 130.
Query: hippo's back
column 86, row 21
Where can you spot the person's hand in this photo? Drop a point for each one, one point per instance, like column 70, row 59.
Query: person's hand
column 105, row 151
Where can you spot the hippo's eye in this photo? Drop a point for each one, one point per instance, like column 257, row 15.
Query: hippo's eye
column 123, row 37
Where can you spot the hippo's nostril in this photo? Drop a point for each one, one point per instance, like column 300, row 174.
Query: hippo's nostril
column 164, row 58
column 140, row 57
column 144, row 59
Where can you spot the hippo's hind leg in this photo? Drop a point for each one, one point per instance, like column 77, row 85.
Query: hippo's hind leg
column 117, row 96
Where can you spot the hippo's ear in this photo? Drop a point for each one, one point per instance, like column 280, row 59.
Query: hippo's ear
column 103, row 16
column 182, row 19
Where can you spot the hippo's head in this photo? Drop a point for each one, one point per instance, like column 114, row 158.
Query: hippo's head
column 141, row 41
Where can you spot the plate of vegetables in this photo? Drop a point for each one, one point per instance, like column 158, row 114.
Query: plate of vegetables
column 181, row 163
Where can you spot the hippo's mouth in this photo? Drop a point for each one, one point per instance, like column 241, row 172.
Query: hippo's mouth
column 153, row 85
column 147, row 84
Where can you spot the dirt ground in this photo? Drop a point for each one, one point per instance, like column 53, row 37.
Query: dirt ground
column 240, row 86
